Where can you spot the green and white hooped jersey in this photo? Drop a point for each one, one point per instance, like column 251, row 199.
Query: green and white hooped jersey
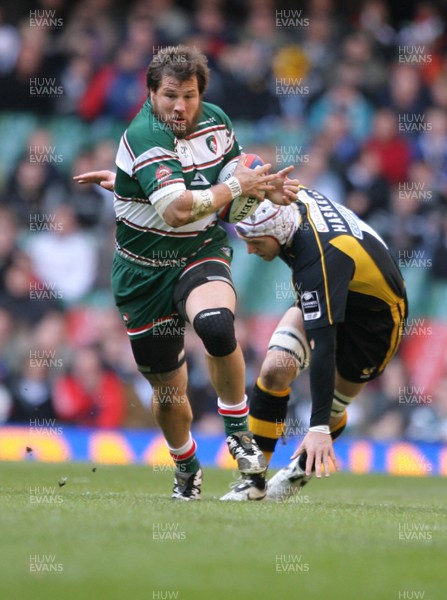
column 151, row 162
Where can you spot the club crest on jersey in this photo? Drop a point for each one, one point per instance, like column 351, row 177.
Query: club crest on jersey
column 162, row 172
column 310, row 305
column 125, row 317
column 211, row 142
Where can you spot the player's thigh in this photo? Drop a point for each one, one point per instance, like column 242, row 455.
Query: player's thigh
column 293, row 317
column 205, row 284
column 159, row 358
column 366, row 342
column 347, row 388
column 156, row 331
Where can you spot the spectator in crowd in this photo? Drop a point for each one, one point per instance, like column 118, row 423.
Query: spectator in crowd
column 32, row 85
column 368, row 190
column 349, row 101
column 320, row 43
column 90, row 206
column 405, row 93
column 6, row 362
column 24, row 295
column 171, row 22
column 428, row 420
column 9, row 44
column 362, row 64
column 212, row 28
column 245, row 77
column 117, row 357
column 75, row 77
column 8, row 243
column 52, row 254
column 51, row 337
column 384, row 416
column 424, row 28
column 392, row 149
column 89, row 395
column 405, row 228
column 32, row 188
column 374, row 19
column 440, row 248
column 431, row 147
column 317, row 173
column 338, row 141
column 118, row 89
column 31, row 388
column 91, row 29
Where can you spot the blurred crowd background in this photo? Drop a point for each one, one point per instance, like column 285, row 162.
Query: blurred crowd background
column 354, row 96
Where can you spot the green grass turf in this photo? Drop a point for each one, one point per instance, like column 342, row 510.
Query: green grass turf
column 103, row 530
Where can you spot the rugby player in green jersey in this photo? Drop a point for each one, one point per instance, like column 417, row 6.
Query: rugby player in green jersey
column 172, row 259
column 346, row 326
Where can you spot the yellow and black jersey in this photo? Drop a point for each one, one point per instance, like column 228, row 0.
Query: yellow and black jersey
column 340, row 263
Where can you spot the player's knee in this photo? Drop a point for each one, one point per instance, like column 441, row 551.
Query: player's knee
column 276, row 372
column 291, row 351
column 215, row 327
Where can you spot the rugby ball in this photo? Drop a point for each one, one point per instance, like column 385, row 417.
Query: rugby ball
column 242, row 206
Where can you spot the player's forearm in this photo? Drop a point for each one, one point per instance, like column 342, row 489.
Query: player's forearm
column 193, row 206
column 322, row 375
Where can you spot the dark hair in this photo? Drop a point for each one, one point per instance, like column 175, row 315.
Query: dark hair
column 181, row 63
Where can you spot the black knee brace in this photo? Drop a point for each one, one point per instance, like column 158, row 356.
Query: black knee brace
column 215, row 327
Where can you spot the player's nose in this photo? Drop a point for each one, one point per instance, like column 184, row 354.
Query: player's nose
column 180, row 105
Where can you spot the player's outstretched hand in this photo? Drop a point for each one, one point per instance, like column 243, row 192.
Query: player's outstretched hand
column 286, row 190
column 319, row 449
column 105, row 179
column 254, row 182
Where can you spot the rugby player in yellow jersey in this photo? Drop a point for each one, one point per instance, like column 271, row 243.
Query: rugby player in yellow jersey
column 346, row 326
column 172, row 259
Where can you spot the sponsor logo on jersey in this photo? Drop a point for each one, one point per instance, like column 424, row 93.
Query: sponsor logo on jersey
column 211, row 142
column 310, row 305
column 163, row 172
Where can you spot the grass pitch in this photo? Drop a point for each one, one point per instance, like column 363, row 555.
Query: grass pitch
column 113, row 534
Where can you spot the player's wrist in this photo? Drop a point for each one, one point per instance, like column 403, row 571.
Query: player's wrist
column 320, row 429
column 235, row 186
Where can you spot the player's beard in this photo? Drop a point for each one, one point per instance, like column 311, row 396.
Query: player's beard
column 181, row 129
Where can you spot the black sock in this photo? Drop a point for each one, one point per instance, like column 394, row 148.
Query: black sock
column 268, row 410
